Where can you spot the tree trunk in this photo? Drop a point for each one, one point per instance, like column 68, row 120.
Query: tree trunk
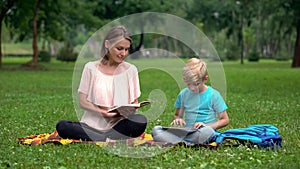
column 296, row 59
column 175, row 43
column 2, row 15
column 241, row 43
column 138, row 47
column 241, row 38
column 35, row 57
column 1, row 42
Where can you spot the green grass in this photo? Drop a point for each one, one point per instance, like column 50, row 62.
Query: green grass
column 33, row 101
column 17, row 48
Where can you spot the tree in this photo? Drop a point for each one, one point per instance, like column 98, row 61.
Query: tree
column 109, row 10
column 5, row 7
column 272, row 22
column 34, row 60
column 294, row 7
column 68, row 19
column 296, row 58
column 23, row 21
column 49, row 18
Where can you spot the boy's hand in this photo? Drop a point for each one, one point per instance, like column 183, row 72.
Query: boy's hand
column 198, row 125
column 178, row 121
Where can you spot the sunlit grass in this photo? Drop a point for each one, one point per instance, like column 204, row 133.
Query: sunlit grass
column 33, row 101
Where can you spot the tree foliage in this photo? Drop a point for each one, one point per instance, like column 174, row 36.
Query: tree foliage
column 5, row 7
column 262, row 28
column 56, row 20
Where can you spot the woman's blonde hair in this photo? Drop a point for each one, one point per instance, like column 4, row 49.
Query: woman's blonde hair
column 194, row 71
column 115, row 34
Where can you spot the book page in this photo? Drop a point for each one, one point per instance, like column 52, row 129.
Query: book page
column 126, row 110
column 128, row 107
column 123, row 107
column 144, row 103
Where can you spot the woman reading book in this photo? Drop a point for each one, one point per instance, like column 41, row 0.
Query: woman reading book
column 104, row 84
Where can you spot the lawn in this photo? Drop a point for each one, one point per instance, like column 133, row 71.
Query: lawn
column 33, row 101
column 24, row 48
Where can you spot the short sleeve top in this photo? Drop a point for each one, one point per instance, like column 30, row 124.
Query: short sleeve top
column 107, row 91
column 202, row 107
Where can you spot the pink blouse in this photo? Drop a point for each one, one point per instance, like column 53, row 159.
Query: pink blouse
column 107, row 91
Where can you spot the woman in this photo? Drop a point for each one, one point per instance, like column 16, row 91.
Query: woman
column 104, row 84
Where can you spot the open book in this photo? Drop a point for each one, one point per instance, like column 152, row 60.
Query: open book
column 126, row 110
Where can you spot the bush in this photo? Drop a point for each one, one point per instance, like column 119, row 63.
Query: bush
column 67, row 54
column 253, row 57
column 283, row 56
column 233, row 53
column 44, row 56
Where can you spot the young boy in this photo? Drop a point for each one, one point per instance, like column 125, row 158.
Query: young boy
column 203, row 106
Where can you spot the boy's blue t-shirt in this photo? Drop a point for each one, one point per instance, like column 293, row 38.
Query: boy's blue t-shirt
column 201, row 107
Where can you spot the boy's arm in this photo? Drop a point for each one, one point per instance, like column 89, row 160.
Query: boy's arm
column 178, row 113
column 222, row 122
column 178, row 118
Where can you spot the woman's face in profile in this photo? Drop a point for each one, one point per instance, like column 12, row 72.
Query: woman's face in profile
column 118, row 51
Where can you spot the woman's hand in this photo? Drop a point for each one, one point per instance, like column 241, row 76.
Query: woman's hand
column 105, row 113
column 86, row 105
column 111, row 114
column 198, row 125
column 178, row 122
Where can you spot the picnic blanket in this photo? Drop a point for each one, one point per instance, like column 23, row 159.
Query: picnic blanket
column 260, row 135
column 144, row 139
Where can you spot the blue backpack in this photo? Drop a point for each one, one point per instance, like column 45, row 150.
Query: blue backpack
column 262, row 135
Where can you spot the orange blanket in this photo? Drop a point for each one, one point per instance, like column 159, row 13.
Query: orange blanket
column 144, row 139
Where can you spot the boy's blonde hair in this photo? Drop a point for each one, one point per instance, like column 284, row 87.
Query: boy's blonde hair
column 194, row 71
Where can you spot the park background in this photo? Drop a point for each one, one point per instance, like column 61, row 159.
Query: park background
column 257, row 41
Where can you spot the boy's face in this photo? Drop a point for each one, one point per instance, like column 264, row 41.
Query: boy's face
column 195, row 87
